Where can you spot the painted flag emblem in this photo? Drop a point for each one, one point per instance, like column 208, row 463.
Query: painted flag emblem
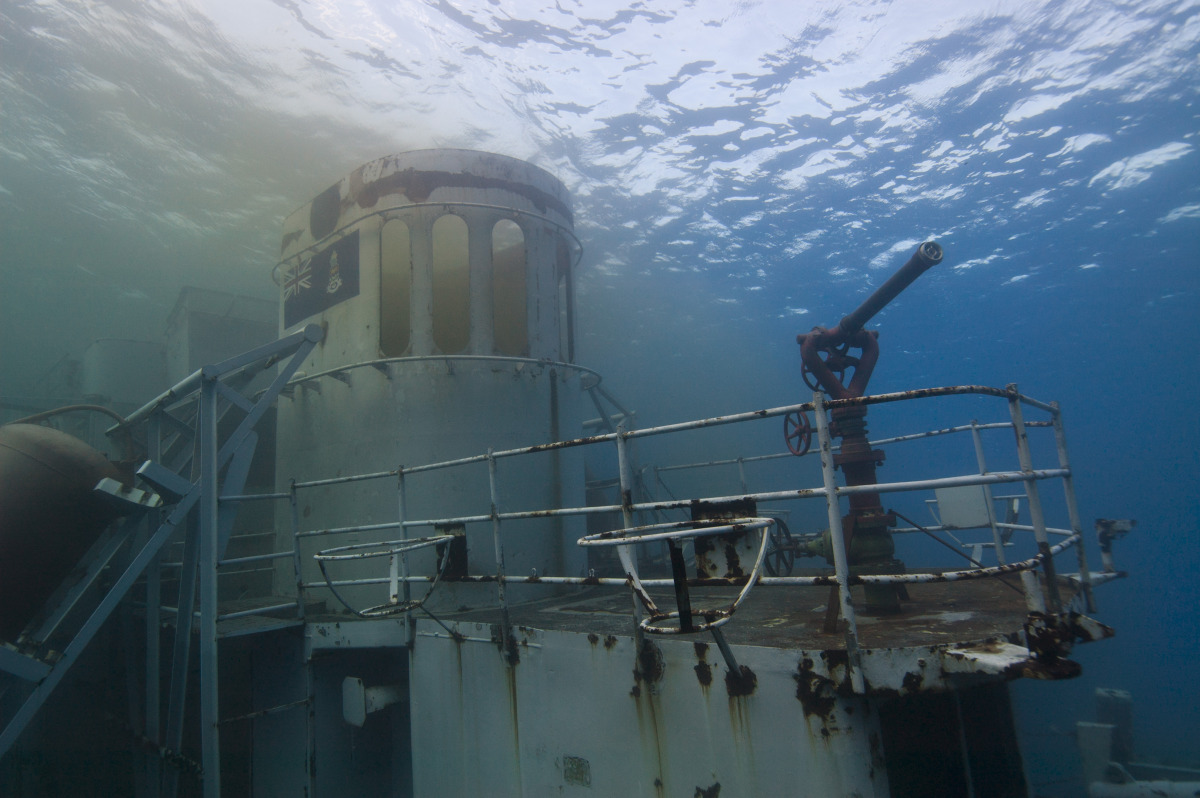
column 297, row 278
column 328, row 278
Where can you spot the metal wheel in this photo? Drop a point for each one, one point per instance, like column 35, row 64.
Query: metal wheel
column 797, row 432
column 781, row 557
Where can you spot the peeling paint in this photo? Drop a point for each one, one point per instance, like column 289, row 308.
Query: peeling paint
column 817, row 694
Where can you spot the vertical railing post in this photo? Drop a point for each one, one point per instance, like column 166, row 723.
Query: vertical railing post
column 153, row 725
column 1064, row 462
column 627, row 554
column 507, row 643
column 398, row 569
column 297, row 563
column 184, row 621
column 310, row 724
column 841, row 567
column 208, row 531
column 997, row 540
column 1038, row 518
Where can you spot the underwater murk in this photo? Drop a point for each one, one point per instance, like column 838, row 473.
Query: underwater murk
column 739, row 174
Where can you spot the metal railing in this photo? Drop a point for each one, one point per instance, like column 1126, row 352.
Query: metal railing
column 204, row 477
column 399, row 578
column 216, row 488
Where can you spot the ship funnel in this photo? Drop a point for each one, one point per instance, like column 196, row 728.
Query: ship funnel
column 444, row 281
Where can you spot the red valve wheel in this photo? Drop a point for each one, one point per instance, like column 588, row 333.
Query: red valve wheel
column 797, row 432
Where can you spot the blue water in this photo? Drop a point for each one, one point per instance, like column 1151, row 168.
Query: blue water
column 741, row 172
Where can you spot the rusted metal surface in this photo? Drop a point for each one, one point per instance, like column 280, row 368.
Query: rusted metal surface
column 1050, row 638
column 418, row 184
column 671, row 732
column 702, row 668
column 791, row 617
column 815, row 691
column 941, row 648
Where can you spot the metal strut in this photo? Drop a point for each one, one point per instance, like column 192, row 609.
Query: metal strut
column 212, row 383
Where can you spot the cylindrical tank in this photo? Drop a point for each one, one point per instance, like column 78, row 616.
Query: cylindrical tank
column 443, row 279
column 49, row 516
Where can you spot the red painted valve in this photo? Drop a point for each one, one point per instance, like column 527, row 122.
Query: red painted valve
column 797, row 432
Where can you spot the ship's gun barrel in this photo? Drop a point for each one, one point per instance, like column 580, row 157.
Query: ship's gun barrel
column 928, row 254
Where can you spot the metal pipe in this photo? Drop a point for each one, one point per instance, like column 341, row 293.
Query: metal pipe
column 387, row 361
column 929, row 393
column 841, row 567
column 973, row 573
column 849, row 490
column 880, row 442
column 927, row 255
column 726, row 652
column 58, row 411
column 379, row 580
column 731, row 582
column 320, row 483
column 925, row 393
column 256, row 611
column 269, row 711
column 996, row 477
column 253, row 497
column 674, row 530
column 275, row 555
column 857, row 401
column 951, row 482
column 342, row 530
column 374, row 549
column 1050, row 530
column 792, row 581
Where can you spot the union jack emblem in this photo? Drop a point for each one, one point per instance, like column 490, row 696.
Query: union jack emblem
column 297, row 278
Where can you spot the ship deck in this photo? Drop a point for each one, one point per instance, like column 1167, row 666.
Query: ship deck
column 786, row 617
column 793, row 617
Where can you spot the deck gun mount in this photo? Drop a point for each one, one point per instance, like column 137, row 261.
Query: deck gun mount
column 826, row 359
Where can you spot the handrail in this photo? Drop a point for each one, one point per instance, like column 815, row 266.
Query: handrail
column 386, row 361
column 831, row 492
column 925, row 393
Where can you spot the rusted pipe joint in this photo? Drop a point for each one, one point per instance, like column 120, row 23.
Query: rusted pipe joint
column 844, row 457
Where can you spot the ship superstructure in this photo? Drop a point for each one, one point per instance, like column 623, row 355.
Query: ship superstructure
column 453, row 600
